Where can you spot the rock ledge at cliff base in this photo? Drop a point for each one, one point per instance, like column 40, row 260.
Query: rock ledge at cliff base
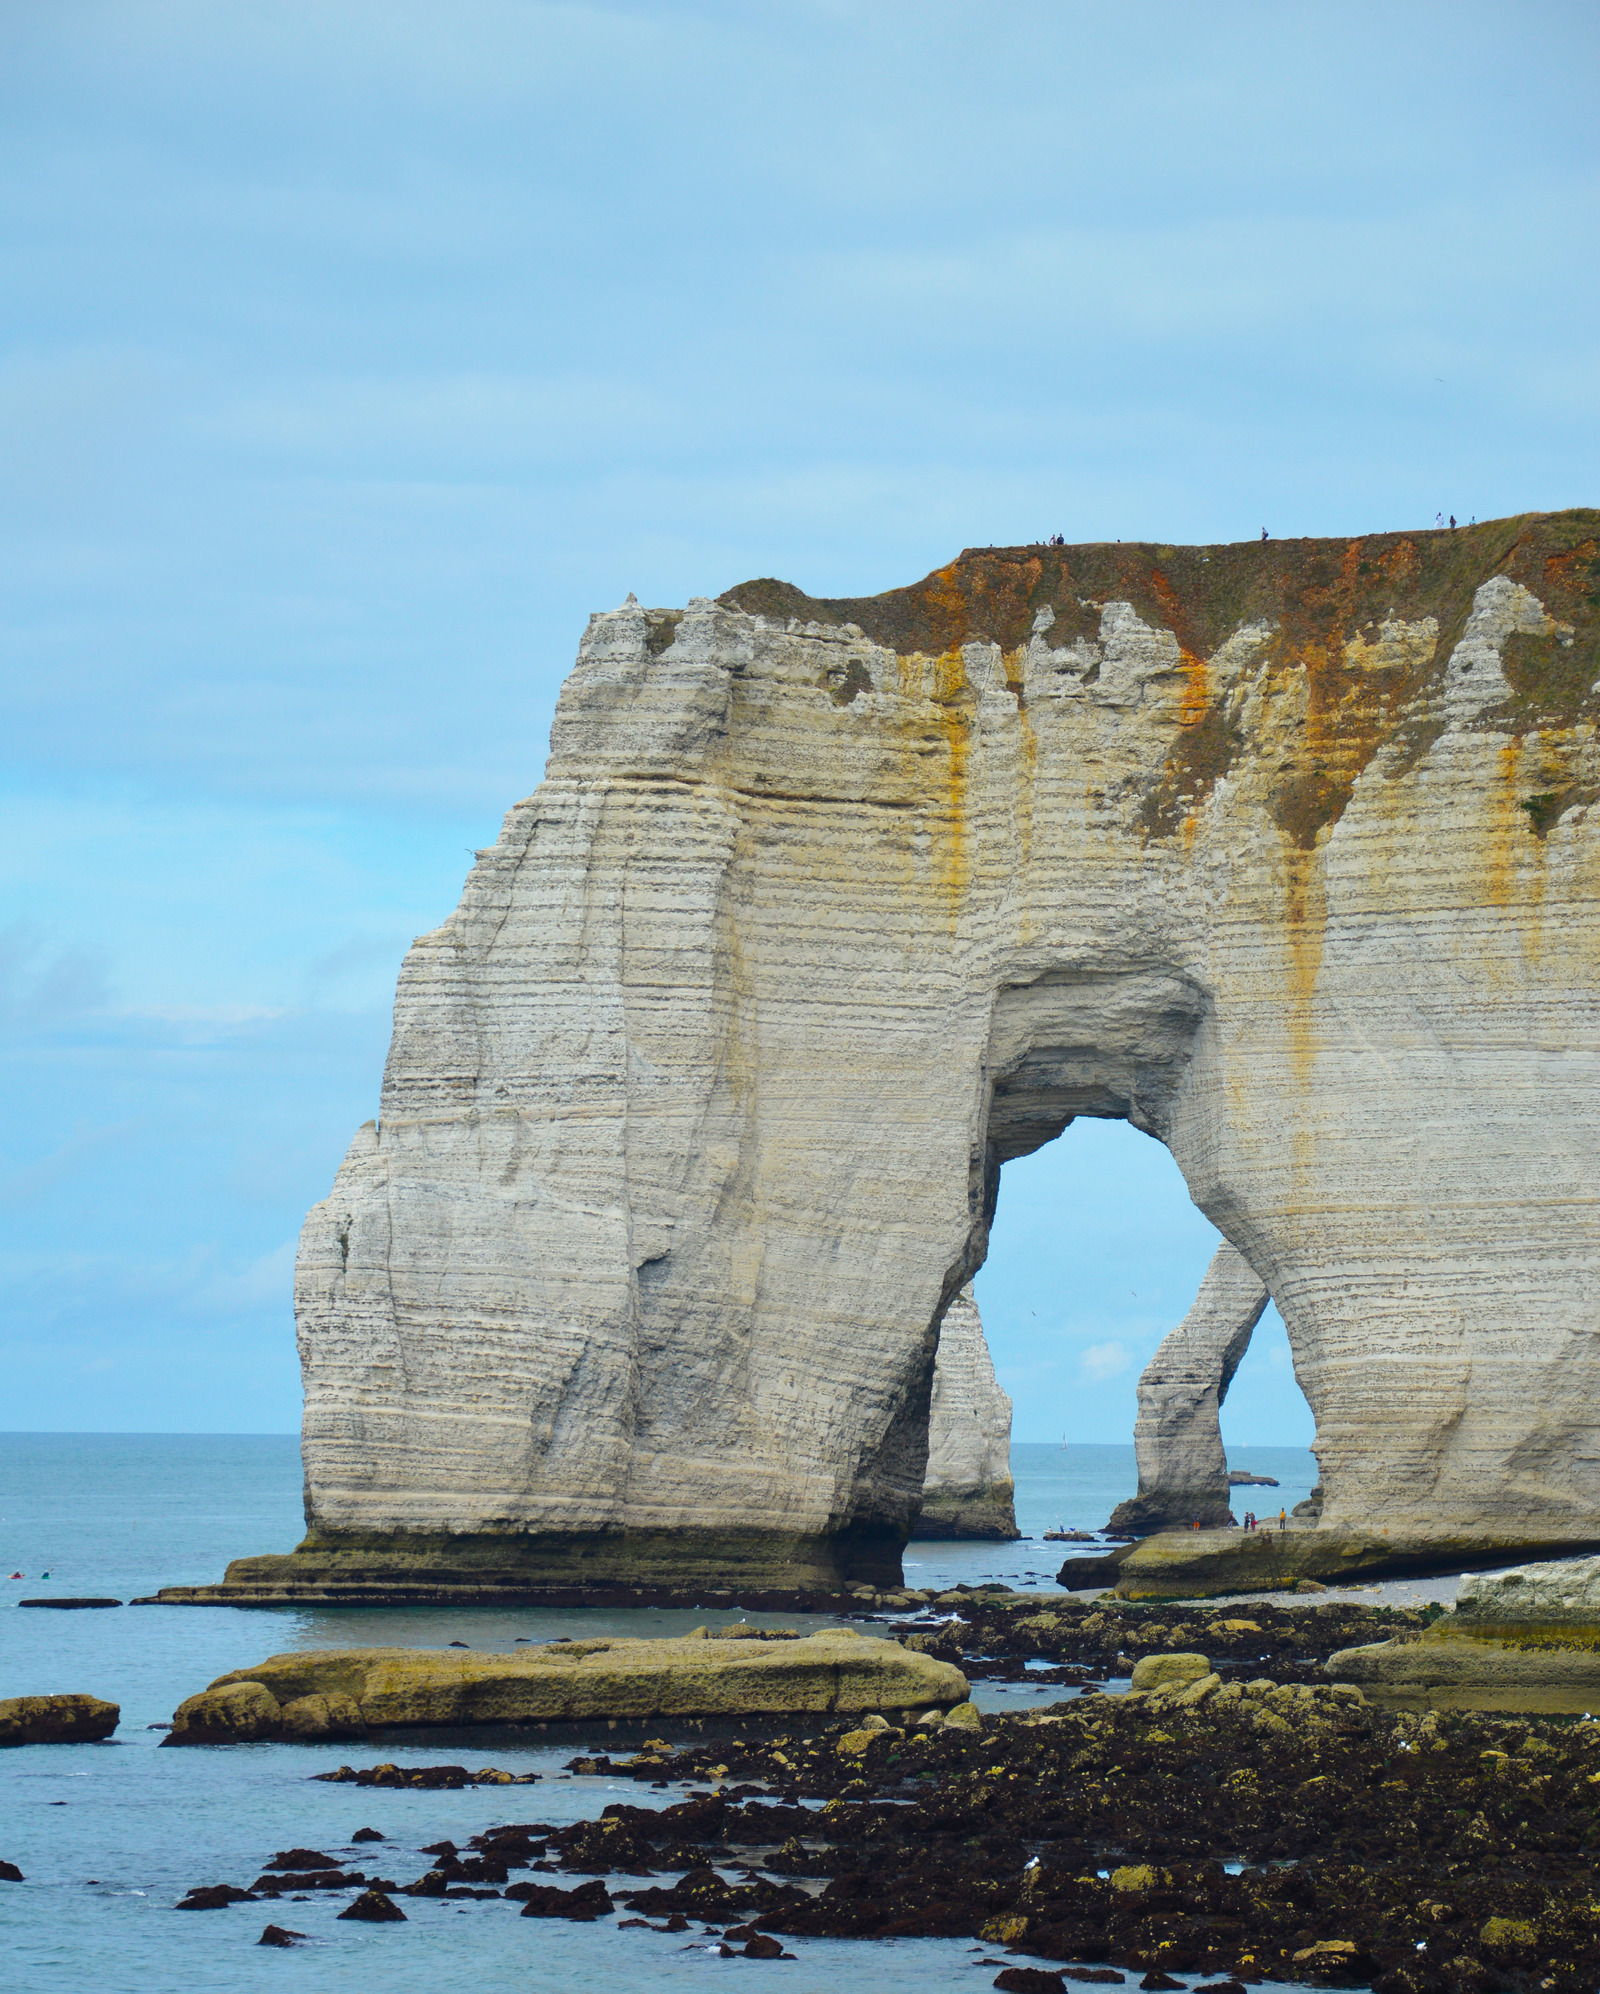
column 1204, row 1564
column 1527, row 1640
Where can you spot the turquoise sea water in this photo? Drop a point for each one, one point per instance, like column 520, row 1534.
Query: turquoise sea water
column 109, row 1836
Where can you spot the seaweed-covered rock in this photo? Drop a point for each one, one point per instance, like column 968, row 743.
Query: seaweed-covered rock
column 309, row 1718
column 582, row 1905
column 374, row 1907
column 1169, row 1671
column 234, row 1711
column 56, row 1720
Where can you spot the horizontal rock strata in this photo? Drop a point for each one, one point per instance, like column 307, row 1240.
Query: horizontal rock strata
column 344, row 1692
column 696, row 1107
column 1177, row 1436
column 967, row 1490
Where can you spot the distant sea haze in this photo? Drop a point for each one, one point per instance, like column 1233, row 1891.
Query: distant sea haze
column 124, row 1513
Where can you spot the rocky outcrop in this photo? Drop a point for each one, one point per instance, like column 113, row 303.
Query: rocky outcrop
column 1525, row 1640
column 967, row 1490
column 1177, row 1436
column 1552, row 1595
column 697, row 1106
column 741, row 1673
column 56, row 1720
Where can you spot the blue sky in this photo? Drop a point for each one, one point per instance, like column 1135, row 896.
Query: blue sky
column 353, row 354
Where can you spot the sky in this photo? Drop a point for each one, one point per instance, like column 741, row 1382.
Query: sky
column 353, row 354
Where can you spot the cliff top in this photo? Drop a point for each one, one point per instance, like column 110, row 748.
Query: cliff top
column 1319, row 592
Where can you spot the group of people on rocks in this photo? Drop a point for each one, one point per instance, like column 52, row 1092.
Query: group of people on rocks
column 1251, row 1521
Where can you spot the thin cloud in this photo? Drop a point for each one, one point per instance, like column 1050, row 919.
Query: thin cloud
column 1105, row 1360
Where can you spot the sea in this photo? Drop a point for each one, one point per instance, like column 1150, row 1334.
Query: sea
column 109, row 1836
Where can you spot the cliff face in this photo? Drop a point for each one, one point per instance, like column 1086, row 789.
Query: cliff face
column 967, row 1490
column 695, row 1110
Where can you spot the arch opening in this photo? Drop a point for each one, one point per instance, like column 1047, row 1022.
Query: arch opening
column 1096, row 1254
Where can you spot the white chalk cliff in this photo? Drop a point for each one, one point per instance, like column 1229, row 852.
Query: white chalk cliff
column 1177, row 1436
column 697, row 1105
column 967, row 1489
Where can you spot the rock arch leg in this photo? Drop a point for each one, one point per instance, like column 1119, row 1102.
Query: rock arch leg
column 1177, row 1438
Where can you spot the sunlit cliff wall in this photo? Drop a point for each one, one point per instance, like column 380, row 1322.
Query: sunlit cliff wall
column 696, row 1106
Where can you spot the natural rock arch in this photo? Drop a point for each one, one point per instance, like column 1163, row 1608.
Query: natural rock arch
column 696, row 1106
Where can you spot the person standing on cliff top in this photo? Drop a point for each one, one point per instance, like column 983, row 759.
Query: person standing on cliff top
column 1283, row 1519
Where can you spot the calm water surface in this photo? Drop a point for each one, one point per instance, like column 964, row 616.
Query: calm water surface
column 110, row 1835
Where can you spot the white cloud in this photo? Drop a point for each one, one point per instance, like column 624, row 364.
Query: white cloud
column 1105, row 1360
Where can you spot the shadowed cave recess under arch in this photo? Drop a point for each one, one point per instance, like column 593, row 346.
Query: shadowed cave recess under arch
column 694, row 1107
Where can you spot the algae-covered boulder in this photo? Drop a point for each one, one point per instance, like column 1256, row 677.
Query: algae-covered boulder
column 1169, row 1671
column 312, row 1717
column 697, row 1676
column 233, row 1711
column 56, row 1720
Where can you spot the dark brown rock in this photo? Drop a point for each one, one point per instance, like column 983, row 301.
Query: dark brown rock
column 587, row 1902
column 69, row 1604
column 214, row 1897
column 278, row 1935
column 280, row 1883
column 374, row 1908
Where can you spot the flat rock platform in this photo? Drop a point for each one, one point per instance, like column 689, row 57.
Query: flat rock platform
column 346, row 1692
